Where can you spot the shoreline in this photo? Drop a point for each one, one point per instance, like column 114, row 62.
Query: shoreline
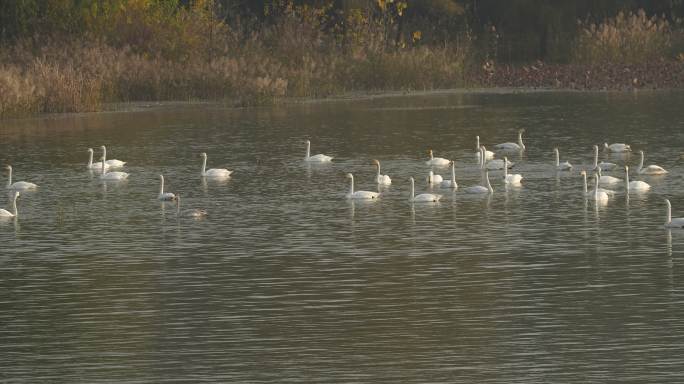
column 142, row 106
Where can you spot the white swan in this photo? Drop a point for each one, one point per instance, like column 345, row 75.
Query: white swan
column 519, row 146
column 14, row 213
column 359, row 195
column 451, row 183
column 488, row 154
column 673, row 223
column 513, row 179
column 19, row 185
column 609, row 180
column 603, row 166
column 617, row 147
column 111, row 163
column 381, row 179
column 492, row 164
column 598, row 195
column 433, row 179
column 320, row 158
column 213, row 172
column 96, row 166
column 651, row 169
column 564, row 166
column 423, row 197
column 111, row 176
column 168, row 196
column 480, row 188
column 194, row 213
column 587, row 193
column 437, row 161
column 638, row 186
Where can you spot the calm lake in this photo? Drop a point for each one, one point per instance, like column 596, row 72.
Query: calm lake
column 287, row 281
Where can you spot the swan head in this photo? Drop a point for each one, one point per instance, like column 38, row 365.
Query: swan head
column 605, row 145
column 583, row 173
column 641, row 152
column 90, row 150
column 308, row 142
column 8, row 167
column 203, row 154
column 376, row 162
column 521, row 131
column 555, row 150
column 350, row 176
column 102, row 147
column 430, row 152
column 626, row 169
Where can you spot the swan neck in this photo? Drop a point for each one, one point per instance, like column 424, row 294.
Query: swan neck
column 557, row 158
column 90, row 159
column 584, row 176
column 627, row 179
column 14, row 205
column 104, row 154
column 351, row 185
column 308, row 149
column 595, row 156
column 9, row 179
column 103, row 166
column 477, row 143
column 489, row 185
column 453, row 172
column 161, row 186
column 204, row 165
column 641, row 162
column 505, row 168
column 413, row 189
column 669, row 212
column 378, row 164
column 520, row 142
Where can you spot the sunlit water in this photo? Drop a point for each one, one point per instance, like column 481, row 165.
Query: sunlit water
column 287, row 281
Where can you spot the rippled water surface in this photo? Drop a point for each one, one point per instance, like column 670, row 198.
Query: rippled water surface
column 287, row 281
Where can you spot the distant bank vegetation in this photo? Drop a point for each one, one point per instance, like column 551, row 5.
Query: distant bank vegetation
column 76, row 55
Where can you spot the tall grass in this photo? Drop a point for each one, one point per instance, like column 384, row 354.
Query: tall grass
column 298, row 55
column 626, row 38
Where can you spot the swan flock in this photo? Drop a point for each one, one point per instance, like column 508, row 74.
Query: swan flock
column 486, row 162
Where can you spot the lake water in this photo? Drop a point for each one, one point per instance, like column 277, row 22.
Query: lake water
column 287, row 281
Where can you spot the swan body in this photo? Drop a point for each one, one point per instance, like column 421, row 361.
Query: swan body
column 320, row 158
column 564, row 166
column 381, row 179
column 7, row 214
column 637, row 186
column 492, row 164
column 423, row 197
column 598, row 195
column 193, row 213
column 359, row 195
column 488, row 154
column 609, row 180
column 111, row 163
column 434, row 179
column 651, row 169
column 603, row 166
column 673, row 223
column 617, row 147
column 111, row 176
column 480, row 188
column 218, row 173
column 587, row 193
column 168, row 196
column 19, row 185
column 437, row 161
column 450, row 183
column 519, row 146
column 95, row 166
column 513, row 179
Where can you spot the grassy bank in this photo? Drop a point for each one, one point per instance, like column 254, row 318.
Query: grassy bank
column 149, row 51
